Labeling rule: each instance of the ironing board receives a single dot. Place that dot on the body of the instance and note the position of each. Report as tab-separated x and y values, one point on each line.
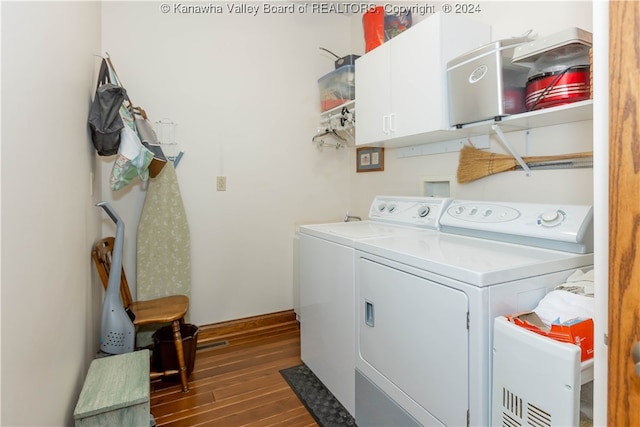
163	244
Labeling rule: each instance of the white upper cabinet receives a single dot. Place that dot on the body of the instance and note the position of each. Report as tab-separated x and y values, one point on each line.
373	91
401	85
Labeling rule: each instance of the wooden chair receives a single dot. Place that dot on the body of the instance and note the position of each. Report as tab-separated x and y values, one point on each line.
171	309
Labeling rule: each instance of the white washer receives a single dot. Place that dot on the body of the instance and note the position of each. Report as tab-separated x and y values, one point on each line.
426	304
327	288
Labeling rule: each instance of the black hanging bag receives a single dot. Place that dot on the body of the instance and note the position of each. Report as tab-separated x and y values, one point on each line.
104	115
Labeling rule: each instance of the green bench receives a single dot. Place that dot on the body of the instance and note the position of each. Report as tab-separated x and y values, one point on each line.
116	392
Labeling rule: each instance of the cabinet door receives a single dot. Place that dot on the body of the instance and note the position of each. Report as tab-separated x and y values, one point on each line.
417	81
373	96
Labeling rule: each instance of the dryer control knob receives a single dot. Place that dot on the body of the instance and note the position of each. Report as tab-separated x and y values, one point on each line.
551	218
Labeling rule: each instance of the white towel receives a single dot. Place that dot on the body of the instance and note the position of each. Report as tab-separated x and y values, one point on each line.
573	299
579	283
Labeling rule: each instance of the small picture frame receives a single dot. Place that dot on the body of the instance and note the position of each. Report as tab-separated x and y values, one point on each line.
369	159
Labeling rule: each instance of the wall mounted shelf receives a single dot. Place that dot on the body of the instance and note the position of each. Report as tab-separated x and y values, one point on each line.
338	110
338	119
568	113
445	140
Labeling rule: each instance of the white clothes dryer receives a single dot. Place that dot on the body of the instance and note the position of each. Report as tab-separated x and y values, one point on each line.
426	304
327	288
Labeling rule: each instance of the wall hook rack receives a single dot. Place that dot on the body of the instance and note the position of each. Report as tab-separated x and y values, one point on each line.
345	119
166	131
343	122
318	139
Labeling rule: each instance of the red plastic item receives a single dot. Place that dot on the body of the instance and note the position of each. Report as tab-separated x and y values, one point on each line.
552	89
373	24
576	331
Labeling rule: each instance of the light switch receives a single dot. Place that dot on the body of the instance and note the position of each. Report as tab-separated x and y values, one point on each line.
221	183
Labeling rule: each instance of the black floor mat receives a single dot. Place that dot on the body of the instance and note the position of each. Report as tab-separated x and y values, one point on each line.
318	400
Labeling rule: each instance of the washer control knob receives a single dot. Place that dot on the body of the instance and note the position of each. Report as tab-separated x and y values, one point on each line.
391	208
423	211
551	218
459	210
382	207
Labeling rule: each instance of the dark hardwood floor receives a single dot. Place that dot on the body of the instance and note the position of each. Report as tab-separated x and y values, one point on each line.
236	383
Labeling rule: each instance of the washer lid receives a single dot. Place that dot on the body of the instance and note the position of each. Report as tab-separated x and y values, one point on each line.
388	215
346	233
471	260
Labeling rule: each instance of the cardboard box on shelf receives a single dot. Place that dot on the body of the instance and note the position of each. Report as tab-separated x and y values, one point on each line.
576	331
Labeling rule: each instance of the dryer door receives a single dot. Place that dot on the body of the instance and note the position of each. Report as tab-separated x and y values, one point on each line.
413	332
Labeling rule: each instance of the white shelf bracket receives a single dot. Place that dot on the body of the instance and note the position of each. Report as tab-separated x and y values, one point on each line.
505	142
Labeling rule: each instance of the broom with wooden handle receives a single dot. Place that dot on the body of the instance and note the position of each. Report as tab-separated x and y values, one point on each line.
475	164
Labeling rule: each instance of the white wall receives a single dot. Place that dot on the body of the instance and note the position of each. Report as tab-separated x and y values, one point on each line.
50	298
243	90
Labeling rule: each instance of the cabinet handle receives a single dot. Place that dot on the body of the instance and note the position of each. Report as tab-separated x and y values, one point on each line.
386	124
392	122
369	318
